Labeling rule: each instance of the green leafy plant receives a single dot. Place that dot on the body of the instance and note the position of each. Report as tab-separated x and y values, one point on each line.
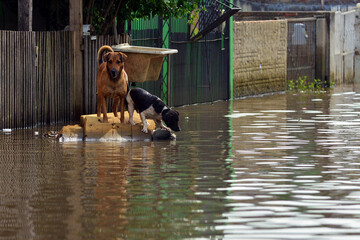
102	13
302	84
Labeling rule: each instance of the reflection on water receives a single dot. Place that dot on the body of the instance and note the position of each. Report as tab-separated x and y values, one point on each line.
282	166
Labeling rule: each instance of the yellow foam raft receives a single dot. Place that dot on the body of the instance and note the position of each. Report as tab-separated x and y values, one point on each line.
92	128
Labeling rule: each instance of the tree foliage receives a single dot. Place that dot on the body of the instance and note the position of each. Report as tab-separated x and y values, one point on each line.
101	13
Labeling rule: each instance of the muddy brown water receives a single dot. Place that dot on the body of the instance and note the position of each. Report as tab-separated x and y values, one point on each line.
281	166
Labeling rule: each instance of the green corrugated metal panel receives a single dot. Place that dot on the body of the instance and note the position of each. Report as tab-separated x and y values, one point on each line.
200	71
179	25
145	24
145	32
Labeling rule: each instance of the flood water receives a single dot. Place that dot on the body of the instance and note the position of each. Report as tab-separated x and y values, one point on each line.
282	166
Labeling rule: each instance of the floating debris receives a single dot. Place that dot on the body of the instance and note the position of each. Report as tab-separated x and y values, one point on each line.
162	134
7	130
52	134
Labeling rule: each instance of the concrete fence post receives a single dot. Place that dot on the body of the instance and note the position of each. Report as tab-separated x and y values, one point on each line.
321	49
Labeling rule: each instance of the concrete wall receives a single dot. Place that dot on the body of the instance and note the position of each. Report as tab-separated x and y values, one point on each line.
259	57
342	47
260	51
357	47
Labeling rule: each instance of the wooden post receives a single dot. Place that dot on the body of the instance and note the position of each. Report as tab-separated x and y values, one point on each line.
76	25
116	37
25	8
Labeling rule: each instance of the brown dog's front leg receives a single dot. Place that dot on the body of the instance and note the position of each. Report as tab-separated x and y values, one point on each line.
100	99
104	109
115	106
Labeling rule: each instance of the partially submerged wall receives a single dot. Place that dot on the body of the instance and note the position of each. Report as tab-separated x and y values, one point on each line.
342	47
259	57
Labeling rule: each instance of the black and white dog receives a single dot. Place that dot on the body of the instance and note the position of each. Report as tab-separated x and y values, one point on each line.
151	107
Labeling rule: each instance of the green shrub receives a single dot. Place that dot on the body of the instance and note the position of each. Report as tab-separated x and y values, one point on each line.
303	85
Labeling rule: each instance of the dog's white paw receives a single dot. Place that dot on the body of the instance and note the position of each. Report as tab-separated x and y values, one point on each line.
144	130
132	122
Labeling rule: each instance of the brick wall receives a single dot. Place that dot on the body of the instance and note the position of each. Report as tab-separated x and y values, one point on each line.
259	57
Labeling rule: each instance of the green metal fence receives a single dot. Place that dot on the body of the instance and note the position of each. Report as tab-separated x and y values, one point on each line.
148	32
199	71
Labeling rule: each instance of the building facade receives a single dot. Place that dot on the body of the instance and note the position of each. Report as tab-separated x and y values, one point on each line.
296	5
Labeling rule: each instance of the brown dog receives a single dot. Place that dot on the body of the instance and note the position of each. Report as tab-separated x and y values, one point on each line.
112	81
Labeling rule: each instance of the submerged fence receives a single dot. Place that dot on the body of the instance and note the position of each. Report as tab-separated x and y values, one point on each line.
301	45
18	78
36	77
53	80
35	81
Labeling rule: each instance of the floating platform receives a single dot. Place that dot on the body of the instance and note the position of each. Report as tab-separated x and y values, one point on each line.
92	128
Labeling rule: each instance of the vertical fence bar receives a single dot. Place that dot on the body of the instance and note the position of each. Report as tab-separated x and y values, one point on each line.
2	87
231	56
5	85
26	76
12	79
18	88
165	94
169	95
86	75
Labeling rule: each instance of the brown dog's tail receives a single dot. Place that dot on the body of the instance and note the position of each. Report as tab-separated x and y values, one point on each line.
101	52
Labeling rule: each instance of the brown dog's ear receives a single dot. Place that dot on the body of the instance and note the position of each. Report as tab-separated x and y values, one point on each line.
106	57
123	56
